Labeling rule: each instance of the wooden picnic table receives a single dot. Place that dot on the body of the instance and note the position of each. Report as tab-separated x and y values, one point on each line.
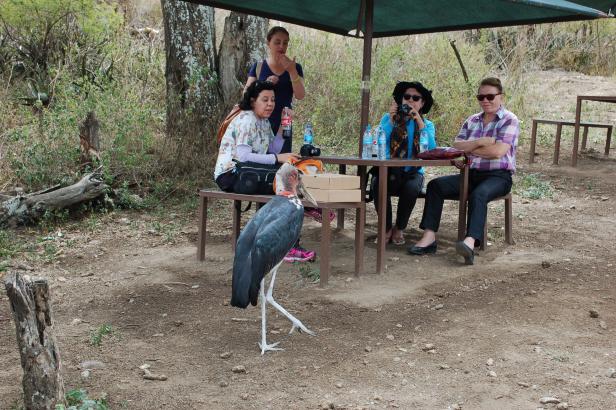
578	112
382	166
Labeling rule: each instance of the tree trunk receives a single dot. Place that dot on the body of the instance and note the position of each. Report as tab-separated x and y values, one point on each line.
243	43
24	209
40	359
89	140
193	91
201	87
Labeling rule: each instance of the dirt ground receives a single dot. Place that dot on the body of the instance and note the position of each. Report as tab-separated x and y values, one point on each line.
429	333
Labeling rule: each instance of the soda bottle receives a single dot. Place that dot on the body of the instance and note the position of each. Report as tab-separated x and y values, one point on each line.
382	143
366	152
423	141
308	136
286	123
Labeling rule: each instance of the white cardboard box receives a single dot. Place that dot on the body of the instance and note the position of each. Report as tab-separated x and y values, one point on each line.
335	195
331	181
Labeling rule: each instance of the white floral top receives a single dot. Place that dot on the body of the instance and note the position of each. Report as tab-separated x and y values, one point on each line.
245	129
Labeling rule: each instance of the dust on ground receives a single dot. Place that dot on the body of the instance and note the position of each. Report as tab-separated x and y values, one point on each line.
427	333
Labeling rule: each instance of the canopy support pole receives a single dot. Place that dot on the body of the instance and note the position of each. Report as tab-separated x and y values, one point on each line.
365	75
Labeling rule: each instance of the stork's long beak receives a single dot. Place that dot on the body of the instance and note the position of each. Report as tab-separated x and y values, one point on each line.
303	192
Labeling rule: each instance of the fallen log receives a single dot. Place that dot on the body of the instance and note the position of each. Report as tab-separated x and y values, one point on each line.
40	360
29	208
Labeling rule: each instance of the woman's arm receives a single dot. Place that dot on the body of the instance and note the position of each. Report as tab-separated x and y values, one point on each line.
297	79
245	154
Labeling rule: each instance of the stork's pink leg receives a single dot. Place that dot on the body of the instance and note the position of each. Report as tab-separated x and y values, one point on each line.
263	345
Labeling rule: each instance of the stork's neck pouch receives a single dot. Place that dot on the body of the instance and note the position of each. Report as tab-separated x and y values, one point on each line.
253	178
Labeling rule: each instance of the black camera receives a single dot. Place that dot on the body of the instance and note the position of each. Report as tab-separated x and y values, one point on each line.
404	109
309	150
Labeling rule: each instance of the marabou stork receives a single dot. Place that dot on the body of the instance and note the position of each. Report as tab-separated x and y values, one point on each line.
262	245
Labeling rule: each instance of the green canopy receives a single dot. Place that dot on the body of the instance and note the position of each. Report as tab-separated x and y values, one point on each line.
383	18
400	17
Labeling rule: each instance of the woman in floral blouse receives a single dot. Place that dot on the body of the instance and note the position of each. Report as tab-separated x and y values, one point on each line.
249	137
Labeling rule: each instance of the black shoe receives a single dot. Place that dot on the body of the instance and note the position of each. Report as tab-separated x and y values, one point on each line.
422	250
467	253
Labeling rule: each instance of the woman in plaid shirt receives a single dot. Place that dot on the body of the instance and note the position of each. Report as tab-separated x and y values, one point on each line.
489	139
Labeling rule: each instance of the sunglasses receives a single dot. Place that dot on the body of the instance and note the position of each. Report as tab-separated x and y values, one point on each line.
412	97
490	97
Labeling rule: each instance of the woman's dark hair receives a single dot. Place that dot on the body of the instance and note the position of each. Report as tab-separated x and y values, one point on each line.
426	94
252	92
493	81
274	30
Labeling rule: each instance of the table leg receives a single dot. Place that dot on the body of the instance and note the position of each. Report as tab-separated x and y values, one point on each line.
360	218
533	142
382	198
463	201
576	133
237	221
607	141
363	176
324	251
202	228
340	223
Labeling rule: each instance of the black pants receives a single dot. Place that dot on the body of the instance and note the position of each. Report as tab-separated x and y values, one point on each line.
484	186
405	185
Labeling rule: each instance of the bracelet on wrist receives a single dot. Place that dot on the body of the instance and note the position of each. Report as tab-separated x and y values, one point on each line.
275	158
296	79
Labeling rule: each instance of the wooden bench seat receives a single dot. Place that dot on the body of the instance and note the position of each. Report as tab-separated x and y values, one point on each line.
559	125
324	251
508	218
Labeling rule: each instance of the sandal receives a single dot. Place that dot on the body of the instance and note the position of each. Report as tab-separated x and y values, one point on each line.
398	241
387	238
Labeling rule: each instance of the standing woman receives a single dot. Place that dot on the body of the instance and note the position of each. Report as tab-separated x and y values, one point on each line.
286	75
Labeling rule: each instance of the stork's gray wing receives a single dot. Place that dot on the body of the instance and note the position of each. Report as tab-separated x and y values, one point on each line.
263	243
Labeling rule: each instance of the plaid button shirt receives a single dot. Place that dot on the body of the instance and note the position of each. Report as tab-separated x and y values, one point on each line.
504	128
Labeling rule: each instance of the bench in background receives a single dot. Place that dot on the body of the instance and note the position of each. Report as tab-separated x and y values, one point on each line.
559	127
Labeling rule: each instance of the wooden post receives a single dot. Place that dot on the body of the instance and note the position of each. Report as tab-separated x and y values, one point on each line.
40	359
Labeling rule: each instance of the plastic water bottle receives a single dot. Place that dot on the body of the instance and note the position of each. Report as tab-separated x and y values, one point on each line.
366	152
308	136
382	143
375	145
423	141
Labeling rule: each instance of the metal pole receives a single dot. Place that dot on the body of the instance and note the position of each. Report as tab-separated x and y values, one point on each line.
365	75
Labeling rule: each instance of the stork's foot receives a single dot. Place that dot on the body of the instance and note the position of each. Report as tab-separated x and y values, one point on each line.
267	348
301	328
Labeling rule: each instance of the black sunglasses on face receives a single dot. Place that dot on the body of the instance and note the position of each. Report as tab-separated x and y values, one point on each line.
412	97
490	97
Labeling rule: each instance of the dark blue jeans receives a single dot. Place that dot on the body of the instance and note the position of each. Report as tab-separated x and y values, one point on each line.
484	186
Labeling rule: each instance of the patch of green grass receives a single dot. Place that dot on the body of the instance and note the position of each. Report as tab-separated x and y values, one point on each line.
77	399
96	337
307	271
8	245
531	186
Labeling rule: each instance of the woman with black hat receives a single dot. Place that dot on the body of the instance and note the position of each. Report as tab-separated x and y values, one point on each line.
404	126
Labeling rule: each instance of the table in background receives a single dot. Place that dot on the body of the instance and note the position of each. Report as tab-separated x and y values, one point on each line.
382	165
578	112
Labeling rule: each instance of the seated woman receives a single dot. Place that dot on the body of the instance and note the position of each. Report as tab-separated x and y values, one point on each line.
249	137
403	127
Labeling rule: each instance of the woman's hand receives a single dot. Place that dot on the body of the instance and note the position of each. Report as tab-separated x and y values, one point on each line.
282	158
272	79
417	117
288	64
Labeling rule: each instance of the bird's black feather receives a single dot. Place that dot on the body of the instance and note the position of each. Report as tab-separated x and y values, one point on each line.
263	243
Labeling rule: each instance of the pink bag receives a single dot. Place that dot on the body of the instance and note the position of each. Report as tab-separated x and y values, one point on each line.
441	153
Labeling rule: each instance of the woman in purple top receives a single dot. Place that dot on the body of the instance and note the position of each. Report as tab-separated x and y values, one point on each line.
286	75
489	139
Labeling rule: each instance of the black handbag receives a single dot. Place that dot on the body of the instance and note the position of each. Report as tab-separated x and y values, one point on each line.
252	178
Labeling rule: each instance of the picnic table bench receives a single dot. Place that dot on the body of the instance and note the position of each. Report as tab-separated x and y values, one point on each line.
324	251
559	125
